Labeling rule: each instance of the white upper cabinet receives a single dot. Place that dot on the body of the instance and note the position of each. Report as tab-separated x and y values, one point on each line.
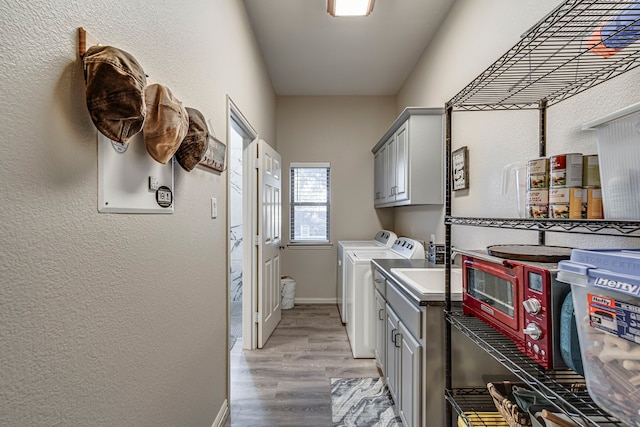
409	160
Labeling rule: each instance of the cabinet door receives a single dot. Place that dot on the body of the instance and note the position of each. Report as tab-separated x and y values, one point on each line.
402	163
381	331
393	359
380	177
410	378
391	169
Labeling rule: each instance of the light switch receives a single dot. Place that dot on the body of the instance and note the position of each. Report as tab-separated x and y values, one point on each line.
154	184
214	208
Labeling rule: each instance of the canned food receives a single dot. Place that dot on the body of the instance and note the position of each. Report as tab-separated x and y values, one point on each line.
592	197
538	173
538	203
590	171
565	203
566	170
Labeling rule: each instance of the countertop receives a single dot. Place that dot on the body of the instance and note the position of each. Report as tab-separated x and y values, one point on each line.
386	264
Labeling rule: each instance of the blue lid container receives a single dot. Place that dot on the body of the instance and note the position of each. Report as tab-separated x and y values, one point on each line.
605	286
611	269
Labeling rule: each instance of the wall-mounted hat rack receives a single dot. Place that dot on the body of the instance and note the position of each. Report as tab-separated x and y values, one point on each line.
129	180
85	41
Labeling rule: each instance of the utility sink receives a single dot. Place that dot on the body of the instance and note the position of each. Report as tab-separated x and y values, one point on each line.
429	282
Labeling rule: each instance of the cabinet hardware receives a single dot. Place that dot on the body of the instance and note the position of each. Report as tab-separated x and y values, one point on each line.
395	339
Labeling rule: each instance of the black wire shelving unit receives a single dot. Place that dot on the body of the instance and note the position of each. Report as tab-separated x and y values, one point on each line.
564	388
554	60
597	226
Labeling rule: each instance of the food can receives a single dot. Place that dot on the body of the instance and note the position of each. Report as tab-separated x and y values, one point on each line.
538	173
590	171
538	203
592	199
565	202
566	170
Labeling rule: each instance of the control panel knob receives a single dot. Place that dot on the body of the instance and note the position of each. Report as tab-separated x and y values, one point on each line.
533	330
532	305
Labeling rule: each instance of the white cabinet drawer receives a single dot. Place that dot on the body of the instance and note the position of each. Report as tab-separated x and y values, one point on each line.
408	312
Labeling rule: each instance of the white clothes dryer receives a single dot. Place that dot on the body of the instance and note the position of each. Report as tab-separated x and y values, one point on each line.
382	239
360	297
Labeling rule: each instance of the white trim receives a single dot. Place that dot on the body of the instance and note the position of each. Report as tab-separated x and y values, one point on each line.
309	165
223	413
248	200
315	301
592	125
303	244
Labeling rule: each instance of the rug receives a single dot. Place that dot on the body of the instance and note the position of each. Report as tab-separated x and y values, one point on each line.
362	402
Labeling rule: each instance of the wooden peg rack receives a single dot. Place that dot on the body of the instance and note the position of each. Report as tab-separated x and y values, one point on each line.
85	41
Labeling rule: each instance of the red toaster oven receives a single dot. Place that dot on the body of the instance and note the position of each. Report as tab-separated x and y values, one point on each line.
522	300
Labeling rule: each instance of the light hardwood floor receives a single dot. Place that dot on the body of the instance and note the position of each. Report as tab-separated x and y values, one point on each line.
287	383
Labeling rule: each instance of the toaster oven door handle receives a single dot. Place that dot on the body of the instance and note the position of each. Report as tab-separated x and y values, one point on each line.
479	255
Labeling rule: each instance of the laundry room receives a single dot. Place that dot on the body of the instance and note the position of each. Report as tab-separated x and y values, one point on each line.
425	215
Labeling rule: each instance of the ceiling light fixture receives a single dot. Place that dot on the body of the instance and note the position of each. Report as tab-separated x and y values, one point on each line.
349	7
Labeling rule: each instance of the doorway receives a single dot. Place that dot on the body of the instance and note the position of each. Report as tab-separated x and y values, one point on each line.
241	272
235	236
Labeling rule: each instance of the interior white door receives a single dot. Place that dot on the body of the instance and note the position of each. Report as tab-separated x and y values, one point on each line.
268	240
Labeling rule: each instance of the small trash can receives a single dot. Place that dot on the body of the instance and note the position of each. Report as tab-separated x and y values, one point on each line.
288	292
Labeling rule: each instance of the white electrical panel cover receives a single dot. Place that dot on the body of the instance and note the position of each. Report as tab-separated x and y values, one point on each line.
130	181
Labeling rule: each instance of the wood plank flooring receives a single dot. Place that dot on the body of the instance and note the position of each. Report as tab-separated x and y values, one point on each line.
287	383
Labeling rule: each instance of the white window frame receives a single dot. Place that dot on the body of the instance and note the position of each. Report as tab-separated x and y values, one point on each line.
292	205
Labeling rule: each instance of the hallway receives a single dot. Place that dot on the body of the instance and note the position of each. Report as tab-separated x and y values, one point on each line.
287	383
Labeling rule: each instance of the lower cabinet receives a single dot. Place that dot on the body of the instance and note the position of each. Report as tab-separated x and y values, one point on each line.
410	374
400	355
392	371
380	351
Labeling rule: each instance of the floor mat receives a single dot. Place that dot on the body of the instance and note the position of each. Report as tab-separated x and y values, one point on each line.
362	402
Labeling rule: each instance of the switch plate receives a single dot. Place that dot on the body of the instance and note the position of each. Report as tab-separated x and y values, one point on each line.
154	184
214	208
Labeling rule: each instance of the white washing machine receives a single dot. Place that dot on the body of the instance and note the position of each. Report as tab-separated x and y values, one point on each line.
382	239
360	297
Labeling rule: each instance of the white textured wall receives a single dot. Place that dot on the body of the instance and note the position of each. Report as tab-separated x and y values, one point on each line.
110	319
475	34
341	130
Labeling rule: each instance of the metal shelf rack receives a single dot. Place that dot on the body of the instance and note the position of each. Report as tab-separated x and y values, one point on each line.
599	227
564	388
467	401
553	61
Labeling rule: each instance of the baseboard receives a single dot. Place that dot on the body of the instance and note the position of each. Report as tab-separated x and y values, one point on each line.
315	301
221	418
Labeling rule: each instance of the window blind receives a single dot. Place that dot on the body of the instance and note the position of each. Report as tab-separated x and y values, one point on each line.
310	202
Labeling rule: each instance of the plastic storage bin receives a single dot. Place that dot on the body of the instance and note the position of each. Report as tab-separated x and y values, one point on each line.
605	285
619	157
288	291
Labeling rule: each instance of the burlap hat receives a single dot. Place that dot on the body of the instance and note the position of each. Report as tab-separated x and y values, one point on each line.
194	145
166	124
115	92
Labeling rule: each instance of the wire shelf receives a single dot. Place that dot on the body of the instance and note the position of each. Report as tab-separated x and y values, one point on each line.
554	60
564	388
467	401
597	226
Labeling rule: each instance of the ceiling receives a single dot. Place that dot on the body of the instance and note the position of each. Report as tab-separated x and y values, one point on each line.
309	52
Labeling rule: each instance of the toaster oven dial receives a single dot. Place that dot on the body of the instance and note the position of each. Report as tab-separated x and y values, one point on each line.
533	331
532	305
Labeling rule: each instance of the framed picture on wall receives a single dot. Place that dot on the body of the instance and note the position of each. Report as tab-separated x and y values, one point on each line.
460	168
214	157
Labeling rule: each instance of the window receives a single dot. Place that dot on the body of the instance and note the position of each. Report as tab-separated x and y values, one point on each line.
310	201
